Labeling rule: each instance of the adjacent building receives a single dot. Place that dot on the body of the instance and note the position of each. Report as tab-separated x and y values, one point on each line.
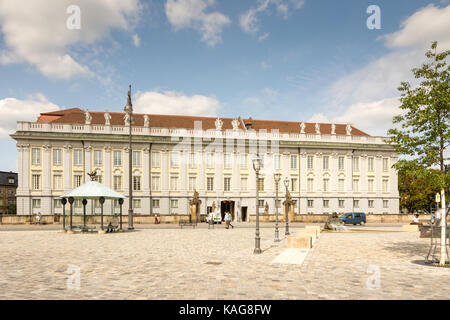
329	167
8	186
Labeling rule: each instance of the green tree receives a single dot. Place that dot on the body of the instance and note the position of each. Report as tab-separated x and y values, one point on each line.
424	130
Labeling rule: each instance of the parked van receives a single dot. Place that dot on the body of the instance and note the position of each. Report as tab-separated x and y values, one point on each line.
215	216
354	218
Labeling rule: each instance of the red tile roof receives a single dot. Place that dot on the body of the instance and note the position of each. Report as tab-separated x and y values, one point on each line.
76	116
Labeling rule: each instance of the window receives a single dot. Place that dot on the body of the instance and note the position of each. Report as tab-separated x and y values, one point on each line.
77	203
370	164
385	164
355	185
174	203
356	203
10	192
35	156
57	157
136	158
341	163
36	203
117	183
36	181
326	185
341	185
210	160
370	185
174	183
326	163
10	180
136	183
77	180
341	203
98	157
155	183
156	160
174	160
155	203
1	202
192	183
385	203
57	203
116	203
57	182
98	178
293	162
278	203
227	161
261	184
117	158
310	162
261	203
326	203
136	203
385	185
276	160
370	203
243	161
355	163
310	185
192	160
244	184
310	203
293	184
96	203
210	183
227	184
77	157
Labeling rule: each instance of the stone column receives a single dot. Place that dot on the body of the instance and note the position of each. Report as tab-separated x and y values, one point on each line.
219	173
126	177
236	175
107	165
184	158
46	170
146	172
87	162
201	173
67	168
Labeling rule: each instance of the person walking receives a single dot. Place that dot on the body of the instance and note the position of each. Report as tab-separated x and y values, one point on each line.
38	218
228	220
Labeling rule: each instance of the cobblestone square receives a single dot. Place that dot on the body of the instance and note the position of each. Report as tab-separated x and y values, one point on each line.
169	263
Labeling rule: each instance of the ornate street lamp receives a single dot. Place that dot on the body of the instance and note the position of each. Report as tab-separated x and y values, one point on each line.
286	184
64	202
277	178
257	167
129	111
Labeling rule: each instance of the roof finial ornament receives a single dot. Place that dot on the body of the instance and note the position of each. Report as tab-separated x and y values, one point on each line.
317	128
88	117
107	118
333	128
219	124
302	127
349	129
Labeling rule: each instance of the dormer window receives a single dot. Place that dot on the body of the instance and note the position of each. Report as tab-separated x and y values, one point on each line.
11	180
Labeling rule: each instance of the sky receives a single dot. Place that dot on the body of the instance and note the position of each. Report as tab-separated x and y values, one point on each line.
294	60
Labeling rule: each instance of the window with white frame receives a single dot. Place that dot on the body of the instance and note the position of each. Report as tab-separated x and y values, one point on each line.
174	203
260	184
57	203
370	164
385	164
192	183
174	159
310	185
77	157
210	183
136	158
326	203
78	203
36	181
341	185
98	157
277	161
326	163
341	163
310	203
117	183
355	163
136	203
370	203
77	180
293	161
261	204
227	184
310	162
117	155
385	185
57	157
355	203
156	159
36	203
174	183
99	178
136	183
244	182
57	182
355	185
341	203
326	185
294	184
155	183
385	204
155	203
36	156
370	185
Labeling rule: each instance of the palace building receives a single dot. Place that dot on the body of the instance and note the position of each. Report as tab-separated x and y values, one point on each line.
329	167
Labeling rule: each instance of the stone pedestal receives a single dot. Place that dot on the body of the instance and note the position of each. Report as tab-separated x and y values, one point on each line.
299	242
194	209
308	232
410	228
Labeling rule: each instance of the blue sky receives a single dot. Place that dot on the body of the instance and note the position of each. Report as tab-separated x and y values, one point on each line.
270	59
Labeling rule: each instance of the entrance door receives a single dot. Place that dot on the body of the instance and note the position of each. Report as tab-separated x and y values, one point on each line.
244	214
227	206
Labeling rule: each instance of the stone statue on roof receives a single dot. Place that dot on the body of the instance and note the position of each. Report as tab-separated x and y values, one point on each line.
146	121
317	126
219	124
126	119
235	124
107	119
88	117
302	127
333	128
349	129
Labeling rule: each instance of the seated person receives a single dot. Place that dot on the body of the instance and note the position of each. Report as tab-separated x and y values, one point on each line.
416	220
109	228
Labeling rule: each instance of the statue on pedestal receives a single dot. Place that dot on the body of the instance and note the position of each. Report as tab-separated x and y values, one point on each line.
88	117
107	119
302	127
146	121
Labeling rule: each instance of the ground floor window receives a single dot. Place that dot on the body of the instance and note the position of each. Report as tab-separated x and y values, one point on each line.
57	203
385	203
155	203
137	203
356	203
174	203
310	203
341	203
36	203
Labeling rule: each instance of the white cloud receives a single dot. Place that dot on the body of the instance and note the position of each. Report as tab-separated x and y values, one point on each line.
175	103
13	110
249	20
136	40
364	97
263	36
191	14
319	118
36	32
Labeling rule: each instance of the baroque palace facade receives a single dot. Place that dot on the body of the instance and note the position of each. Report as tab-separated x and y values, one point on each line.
330	167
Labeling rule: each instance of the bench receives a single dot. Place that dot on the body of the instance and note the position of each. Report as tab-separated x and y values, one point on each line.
187	224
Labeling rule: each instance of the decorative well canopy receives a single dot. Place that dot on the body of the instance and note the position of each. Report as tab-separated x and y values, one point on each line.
93	190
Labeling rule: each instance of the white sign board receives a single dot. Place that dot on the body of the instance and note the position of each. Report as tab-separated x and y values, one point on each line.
438	197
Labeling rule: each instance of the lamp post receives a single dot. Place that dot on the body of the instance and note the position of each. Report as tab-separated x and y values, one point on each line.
129	111
277	177
64	202
257	167
286	184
